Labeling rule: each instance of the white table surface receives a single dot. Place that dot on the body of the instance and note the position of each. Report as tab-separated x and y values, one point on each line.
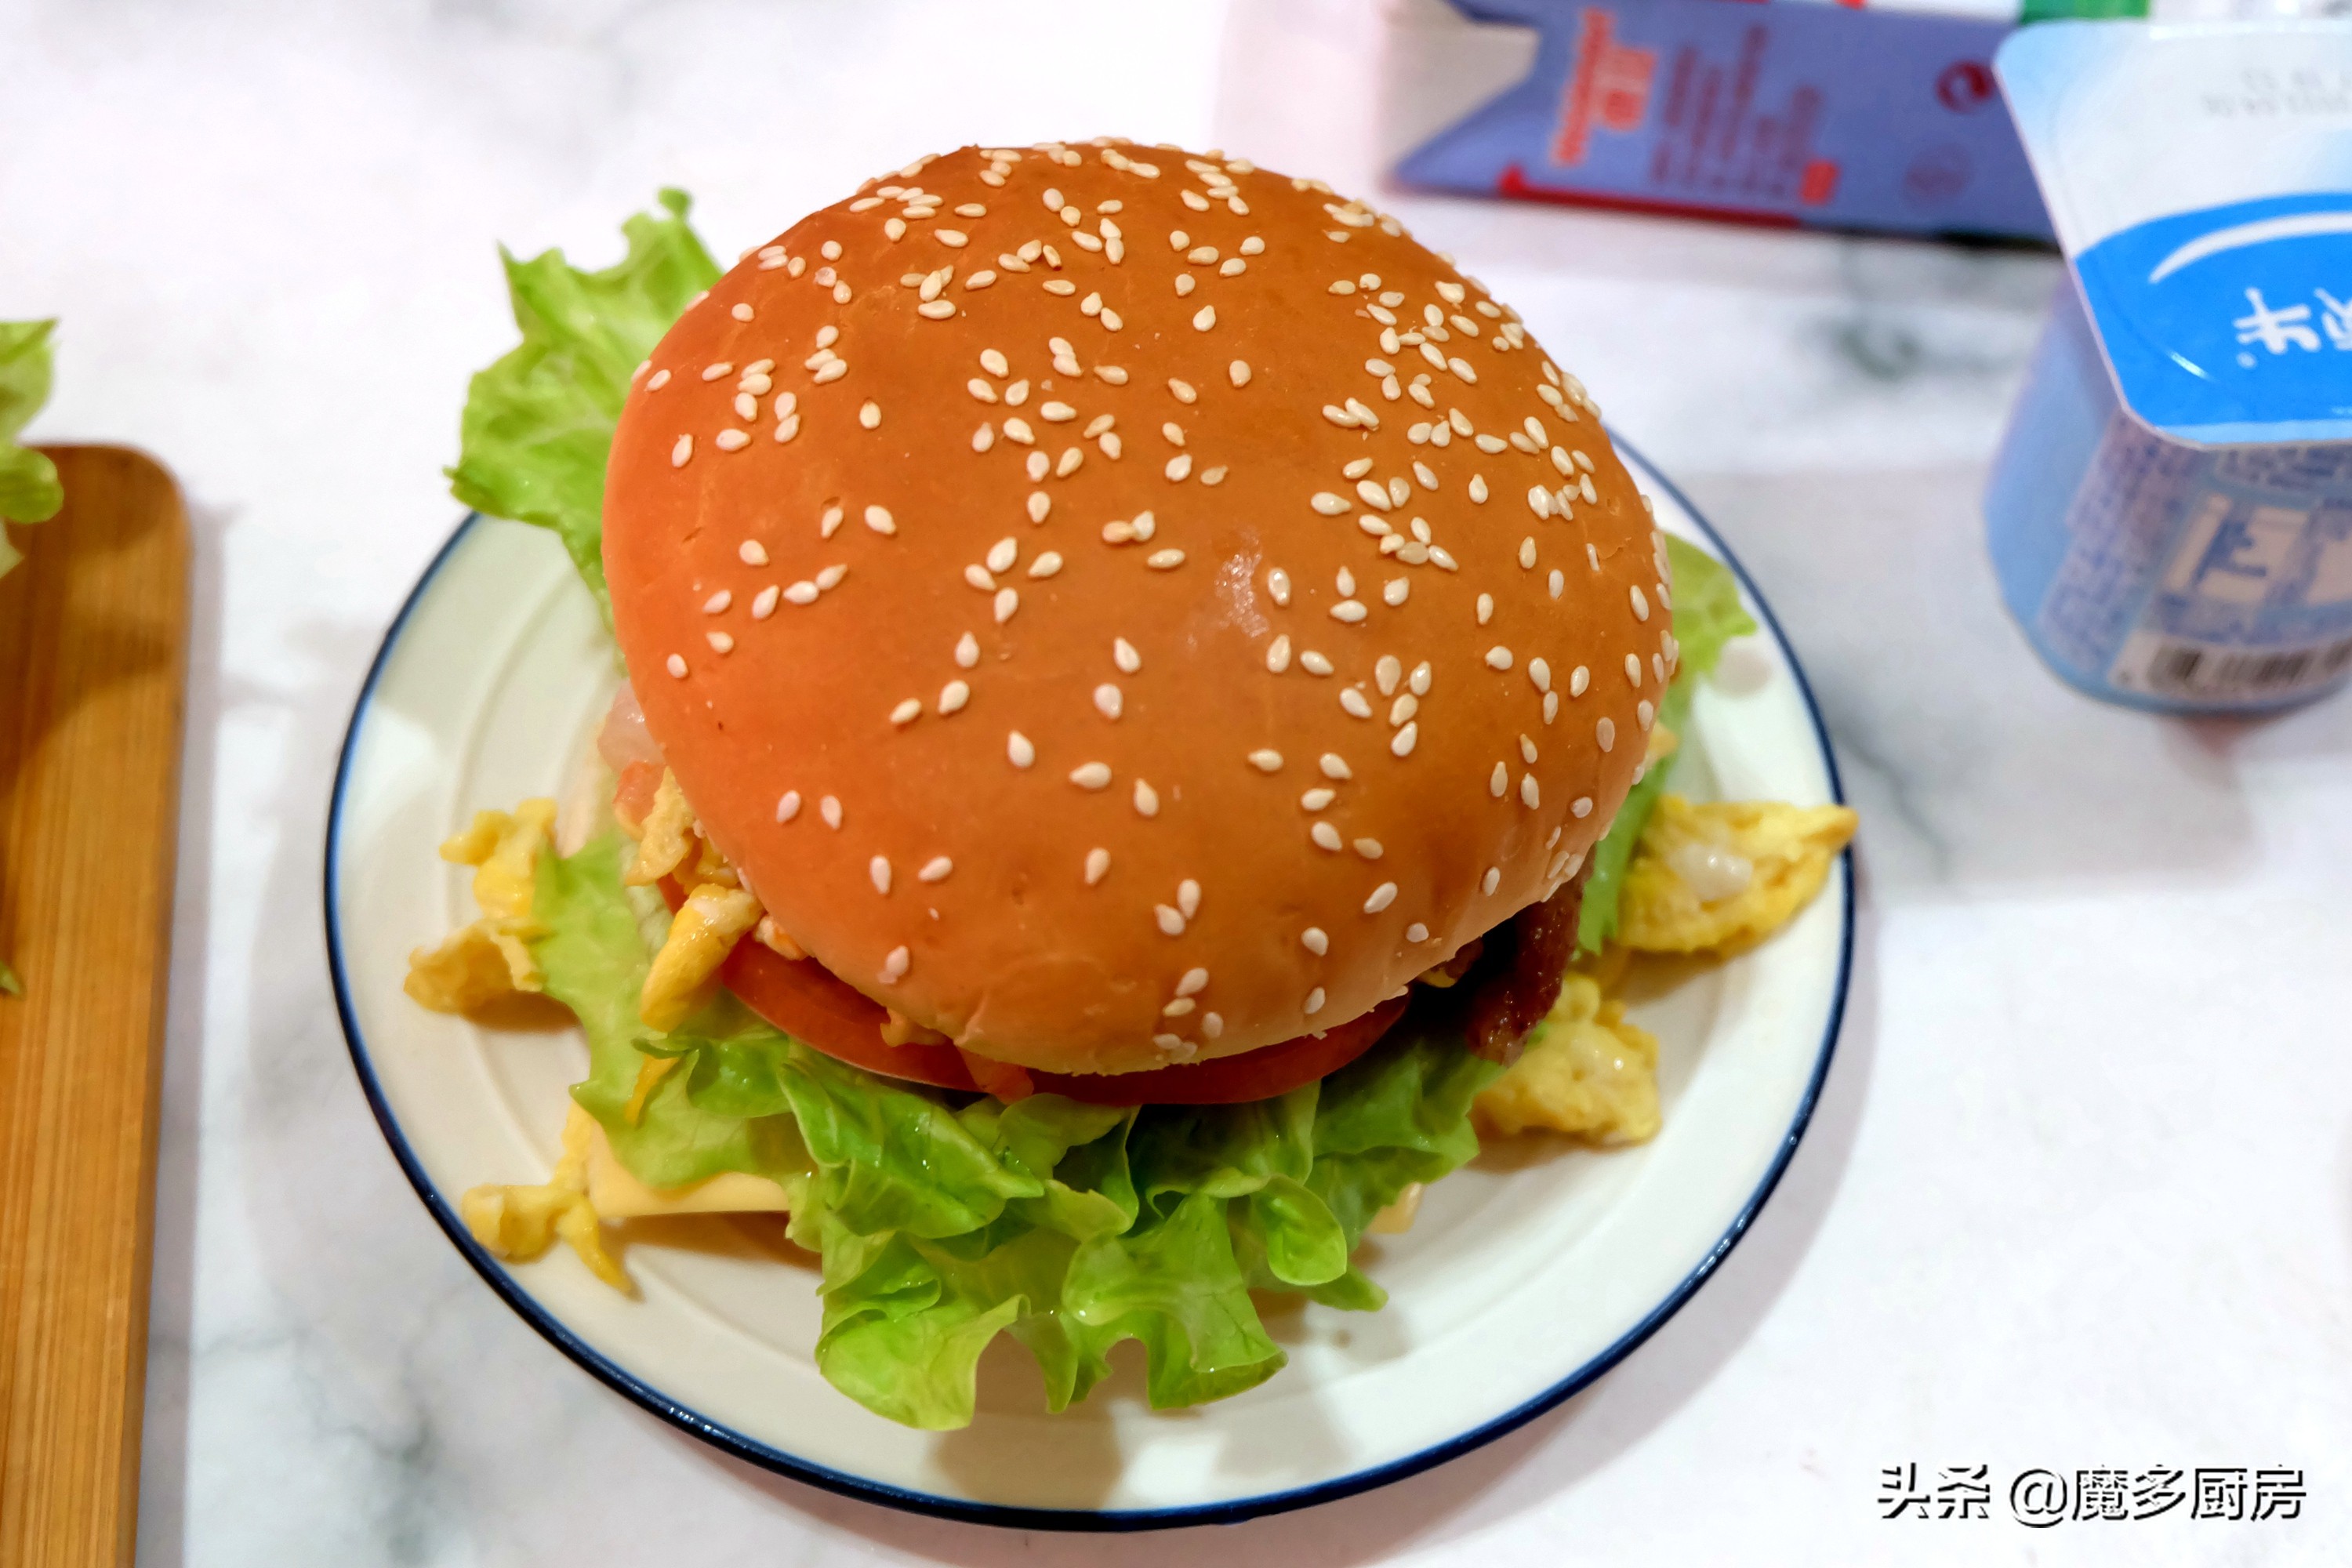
2077	1194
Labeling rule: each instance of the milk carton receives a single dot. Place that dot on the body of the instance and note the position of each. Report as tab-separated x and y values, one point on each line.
2170	515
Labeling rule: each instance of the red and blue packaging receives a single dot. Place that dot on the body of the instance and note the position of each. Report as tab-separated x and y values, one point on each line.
1783	114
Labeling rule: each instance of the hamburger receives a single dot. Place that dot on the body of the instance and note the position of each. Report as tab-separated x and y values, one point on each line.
1131	664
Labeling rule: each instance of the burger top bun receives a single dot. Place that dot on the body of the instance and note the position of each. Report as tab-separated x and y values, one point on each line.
1121	607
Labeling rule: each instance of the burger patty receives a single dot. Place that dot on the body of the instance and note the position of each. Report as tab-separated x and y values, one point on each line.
1519	975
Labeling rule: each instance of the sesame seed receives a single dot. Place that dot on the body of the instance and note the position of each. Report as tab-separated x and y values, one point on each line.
1178	467
879	870
1526	751
1187	897
952	697
1047	565
1334	766
1498	658
1313	662
895	227
1162	560
752	552
1251	246
681	452
829	808
1178	1007
1500	781
1107	700
788	806
1382	897
1540	502
1582	807
676	665
1238	372
713	372
967	651
1647	712
1530	793
879	519
1056	412
1348	610
1486	609
1091	775
1098	866
829	370
983	438
1418	681
1170	919
1204	317
1325	836
1194	982
1146	799
801	593
660	379
1641	604
1578	681
1315	1001
718	603
1123	654
1369	848
1018	750
1527	552
1277	654
1353	702
1633	669
1277	586
1316	799
1394	591
1550	706
1007	601
1402	743
1267	760
1605	732
894	967
906	712
1416	933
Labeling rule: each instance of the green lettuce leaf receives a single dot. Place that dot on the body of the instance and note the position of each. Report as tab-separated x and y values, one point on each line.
29	491
943	1220
539	424
1708	615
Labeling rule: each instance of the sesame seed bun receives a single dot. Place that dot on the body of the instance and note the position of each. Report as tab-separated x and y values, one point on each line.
1094	625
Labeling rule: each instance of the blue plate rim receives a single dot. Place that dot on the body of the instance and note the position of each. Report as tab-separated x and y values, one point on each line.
1008	1516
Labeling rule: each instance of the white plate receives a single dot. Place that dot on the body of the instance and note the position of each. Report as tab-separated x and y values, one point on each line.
1529	1274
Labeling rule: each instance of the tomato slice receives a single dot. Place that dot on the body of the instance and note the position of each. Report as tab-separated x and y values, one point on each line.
814	1006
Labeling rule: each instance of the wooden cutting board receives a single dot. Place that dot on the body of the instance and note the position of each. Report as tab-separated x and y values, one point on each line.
93	643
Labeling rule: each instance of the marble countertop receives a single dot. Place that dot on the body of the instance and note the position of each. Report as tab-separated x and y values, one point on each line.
2077	1194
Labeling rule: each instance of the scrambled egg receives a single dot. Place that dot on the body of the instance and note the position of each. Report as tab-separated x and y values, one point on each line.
666	836
702	934
1723	876
1728	874
1585	1071
521	1222
488	959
